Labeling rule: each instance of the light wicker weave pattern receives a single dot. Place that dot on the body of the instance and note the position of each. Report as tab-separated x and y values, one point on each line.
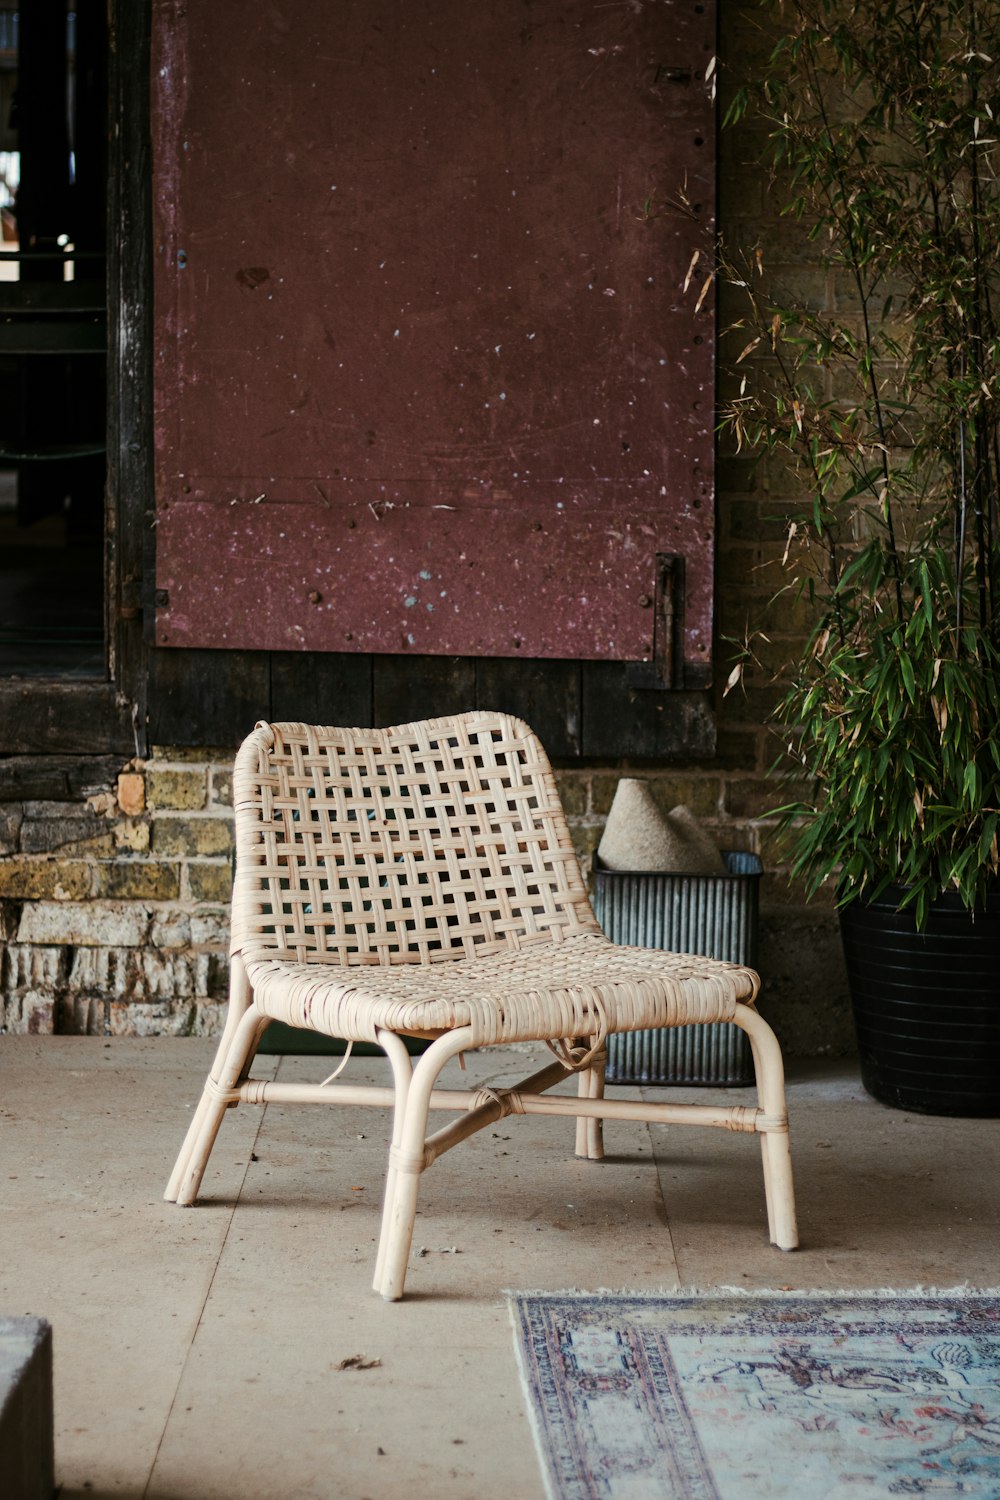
406	845
569	990
420	880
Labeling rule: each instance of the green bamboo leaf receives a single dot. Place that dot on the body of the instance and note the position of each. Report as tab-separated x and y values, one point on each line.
909	680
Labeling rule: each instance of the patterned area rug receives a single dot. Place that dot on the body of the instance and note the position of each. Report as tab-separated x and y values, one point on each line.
763	1397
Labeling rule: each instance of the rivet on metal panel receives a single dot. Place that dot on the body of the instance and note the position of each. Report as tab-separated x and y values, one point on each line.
161	598
315	597
667	74
536	525
517	640
348	635
351	523
645	600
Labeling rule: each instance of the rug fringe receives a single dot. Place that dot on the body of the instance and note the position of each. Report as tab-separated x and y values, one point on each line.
812	1293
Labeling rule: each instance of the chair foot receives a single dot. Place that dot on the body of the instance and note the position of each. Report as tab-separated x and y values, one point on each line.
406	1160
401	1213
589	1131
402	1072
779	1190
231	1064
776	1156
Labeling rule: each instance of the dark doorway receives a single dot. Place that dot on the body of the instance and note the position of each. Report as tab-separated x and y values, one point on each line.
53	337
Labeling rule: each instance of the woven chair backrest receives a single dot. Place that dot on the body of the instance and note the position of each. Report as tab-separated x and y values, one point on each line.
413	844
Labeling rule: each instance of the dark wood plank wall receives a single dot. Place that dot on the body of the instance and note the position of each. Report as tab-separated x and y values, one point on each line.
579	709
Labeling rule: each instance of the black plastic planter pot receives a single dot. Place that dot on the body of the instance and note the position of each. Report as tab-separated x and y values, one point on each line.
926	1004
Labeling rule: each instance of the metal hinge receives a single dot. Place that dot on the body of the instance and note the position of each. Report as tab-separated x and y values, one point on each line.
666	669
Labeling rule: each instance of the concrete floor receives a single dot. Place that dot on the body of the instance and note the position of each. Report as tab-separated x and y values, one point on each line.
198	1351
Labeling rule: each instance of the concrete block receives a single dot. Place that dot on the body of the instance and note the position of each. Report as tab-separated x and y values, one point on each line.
757	797
205	1018
32	968
163	975
192	836
572	787
92	924
102	971
139	880
40	879
27	1432
182	791
221	786
210	881
28	1014
132	834
171	929
210	929
139	1020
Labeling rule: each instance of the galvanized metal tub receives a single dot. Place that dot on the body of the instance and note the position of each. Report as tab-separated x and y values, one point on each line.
716	915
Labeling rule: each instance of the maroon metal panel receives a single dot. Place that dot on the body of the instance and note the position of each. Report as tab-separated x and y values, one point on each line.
426	377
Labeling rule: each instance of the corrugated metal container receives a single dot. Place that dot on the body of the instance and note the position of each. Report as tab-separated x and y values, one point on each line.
715	915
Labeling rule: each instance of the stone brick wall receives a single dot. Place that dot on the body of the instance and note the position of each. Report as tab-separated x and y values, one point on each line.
114	894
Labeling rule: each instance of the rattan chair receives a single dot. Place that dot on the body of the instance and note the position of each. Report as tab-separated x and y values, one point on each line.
420	881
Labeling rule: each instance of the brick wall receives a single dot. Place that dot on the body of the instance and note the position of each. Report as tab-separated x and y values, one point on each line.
114	879
114	894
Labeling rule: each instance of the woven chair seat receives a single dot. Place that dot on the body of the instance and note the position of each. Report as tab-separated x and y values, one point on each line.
580	987
420	881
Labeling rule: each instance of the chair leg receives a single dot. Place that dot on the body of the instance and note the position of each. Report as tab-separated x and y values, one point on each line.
240	1037
590	1132
406	1163
776	1155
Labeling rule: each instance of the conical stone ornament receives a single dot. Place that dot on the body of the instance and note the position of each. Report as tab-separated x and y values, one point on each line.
638	836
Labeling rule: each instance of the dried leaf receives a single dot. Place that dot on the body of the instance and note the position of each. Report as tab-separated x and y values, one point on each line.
822	641
733	678
358	1362
704	291
940	709
696	257
748	350
792	529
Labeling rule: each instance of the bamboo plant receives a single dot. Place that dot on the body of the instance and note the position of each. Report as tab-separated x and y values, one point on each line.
883	119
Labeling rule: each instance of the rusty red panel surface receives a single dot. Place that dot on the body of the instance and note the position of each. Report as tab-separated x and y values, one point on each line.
422	345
